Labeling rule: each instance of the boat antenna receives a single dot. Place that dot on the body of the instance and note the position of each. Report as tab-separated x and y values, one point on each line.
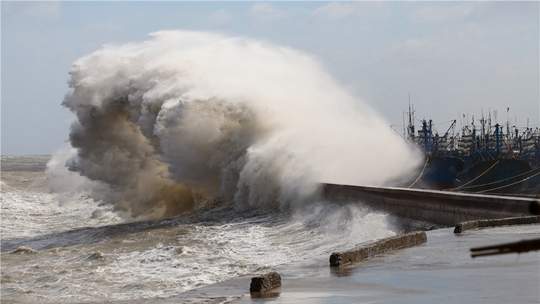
507	122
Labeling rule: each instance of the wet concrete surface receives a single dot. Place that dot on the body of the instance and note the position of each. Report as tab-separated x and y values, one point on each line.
440	271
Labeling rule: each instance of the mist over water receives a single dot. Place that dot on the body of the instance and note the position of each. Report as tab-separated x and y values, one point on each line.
186	118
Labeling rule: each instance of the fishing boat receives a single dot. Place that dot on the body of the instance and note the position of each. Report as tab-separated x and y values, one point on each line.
480	158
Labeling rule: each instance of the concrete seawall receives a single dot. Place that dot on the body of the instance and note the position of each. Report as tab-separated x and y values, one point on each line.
438	207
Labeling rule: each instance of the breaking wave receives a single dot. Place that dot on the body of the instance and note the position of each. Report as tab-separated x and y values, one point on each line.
186	119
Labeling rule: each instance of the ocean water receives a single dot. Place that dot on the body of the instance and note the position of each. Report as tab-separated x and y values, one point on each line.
86	252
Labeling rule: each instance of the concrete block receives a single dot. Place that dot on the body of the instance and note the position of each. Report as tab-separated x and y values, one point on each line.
370	249
520	220
264	284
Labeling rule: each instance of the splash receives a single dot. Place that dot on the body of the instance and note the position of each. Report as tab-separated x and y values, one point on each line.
186	117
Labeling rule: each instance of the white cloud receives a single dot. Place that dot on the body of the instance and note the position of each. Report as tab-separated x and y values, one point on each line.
103	27
443	13
341	10
45	9
414	44
265	11
337	10
220	17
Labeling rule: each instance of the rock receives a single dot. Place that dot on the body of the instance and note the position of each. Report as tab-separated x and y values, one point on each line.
23	250
96	256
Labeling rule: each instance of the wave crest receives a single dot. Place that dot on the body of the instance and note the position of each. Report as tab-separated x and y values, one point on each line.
188	116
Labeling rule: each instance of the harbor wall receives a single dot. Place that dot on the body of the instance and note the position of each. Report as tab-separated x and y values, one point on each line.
438	207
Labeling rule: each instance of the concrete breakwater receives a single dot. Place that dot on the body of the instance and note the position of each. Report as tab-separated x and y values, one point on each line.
521	220
365	251
438	207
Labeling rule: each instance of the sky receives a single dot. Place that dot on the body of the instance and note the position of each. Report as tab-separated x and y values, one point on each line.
450	57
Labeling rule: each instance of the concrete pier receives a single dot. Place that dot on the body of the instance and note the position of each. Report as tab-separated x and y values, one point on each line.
438	207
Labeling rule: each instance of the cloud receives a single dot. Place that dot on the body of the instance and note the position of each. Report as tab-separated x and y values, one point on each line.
337	10
265	11
444	13
49	9
341	10
414	44
220	17
103	27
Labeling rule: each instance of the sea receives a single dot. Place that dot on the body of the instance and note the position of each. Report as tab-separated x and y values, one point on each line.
58	248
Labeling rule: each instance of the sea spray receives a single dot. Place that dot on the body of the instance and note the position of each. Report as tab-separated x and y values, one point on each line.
189	116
